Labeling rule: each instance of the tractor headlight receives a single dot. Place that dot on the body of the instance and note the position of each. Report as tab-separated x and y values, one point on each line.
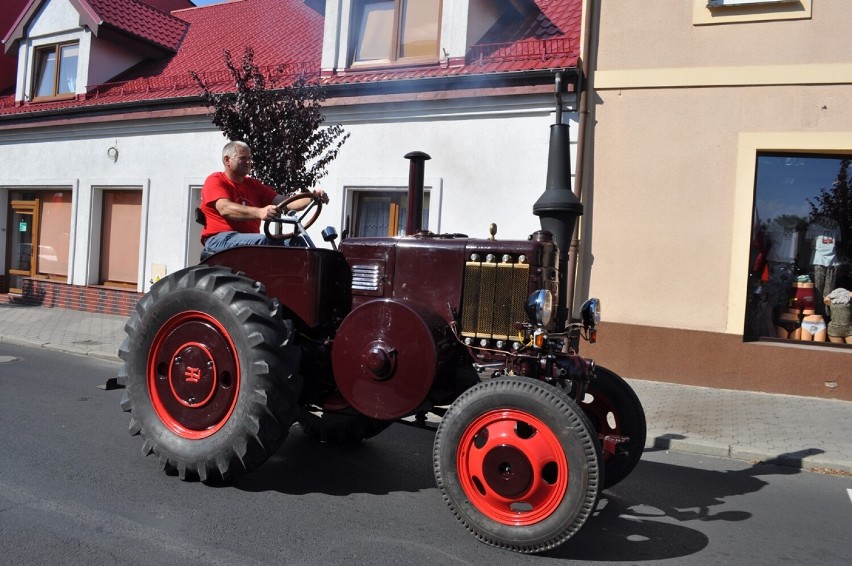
591	313
540	307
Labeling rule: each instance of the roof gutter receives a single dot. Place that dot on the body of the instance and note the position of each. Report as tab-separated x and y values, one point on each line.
340	92
443	83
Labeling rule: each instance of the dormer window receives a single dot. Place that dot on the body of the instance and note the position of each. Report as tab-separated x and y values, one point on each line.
397	31
55	71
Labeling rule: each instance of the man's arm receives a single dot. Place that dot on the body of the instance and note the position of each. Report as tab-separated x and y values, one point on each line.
230	210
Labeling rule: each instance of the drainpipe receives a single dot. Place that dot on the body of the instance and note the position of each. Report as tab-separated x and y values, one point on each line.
582	92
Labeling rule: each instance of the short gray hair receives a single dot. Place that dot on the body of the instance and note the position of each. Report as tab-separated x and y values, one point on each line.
230	148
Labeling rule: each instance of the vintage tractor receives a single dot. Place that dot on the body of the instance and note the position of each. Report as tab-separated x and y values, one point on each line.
471	337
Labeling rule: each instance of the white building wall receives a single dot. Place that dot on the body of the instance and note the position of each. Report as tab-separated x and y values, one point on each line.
107	60
54	15
488	165
490	158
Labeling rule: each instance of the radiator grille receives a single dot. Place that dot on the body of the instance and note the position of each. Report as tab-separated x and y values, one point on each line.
494	298
367	277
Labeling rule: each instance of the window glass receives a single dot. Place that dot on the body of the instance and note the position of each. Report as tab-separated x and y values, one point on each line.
384	213
21	241
375	32
800	280
51	79
54	234
395	30
419	36
45	72
67	69
194	246
122	221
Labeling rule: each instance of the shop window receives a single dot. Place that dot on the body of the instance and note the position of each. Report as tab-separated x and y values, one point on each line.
396	31
383	213
54	234
121	226
55	71
800	277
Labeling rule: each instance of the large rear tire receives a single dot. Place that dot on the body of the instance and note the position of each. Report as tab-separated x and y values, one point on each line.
211	381
518	464
613	408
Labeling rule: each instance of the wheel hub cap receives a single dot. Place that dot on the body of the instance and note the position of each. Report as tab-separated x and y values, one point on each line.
193	375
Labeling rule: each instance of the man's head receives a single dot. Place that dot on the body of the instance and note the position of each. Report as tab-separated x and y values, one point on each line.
236	156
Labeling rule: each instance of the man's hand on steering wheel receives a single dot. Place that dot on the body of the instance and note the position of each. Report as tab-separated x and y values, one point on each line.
313	200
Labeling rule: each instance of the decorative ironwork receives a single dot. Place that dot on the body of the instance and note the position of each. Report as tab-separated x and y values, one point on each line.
543	49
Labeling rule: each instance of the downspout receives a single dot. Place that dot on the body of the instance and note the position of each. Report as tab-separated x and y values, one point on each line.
582	110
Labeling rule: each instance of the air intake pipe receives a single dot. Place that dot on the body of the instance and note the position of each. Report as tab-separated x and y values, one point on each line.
558	207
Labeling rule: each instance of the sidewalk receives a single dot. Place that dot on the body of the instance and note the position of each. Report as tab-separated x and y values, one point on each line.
802	432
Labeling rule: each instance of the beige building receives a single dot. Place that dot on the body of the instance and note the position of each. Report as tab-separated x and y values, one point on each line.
710	125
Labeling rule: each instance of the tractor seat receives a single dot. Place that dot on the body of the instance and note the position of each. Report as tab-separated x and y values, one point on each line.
201	219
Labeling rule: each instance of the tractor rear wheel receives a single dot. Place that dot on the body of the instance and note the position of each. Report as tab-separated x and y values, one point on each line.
518	464
614	409
211	382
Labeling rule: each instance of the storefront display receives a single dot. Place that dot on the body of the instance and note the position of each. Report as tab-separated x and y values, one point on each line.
801	264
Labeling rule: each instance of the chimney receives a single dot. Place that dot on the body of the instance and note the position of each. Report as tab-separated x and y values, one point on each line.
558	207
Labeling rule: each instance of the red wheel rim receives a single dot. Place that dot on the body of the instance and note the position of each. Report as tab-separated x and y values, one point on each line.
193	375
512	467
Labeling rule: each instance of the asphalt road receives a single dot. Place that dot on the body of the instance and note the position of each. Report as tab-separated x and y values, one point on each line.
75	488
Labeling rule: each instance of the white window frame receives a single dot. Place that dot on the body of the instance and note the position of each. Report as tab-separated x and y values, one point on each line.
432	185
725	3
96	221
745	11
355	31
193	228
25	86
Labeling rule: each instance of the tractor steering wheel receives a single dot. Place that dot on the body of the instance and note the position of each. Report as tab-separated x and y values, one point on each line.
297	220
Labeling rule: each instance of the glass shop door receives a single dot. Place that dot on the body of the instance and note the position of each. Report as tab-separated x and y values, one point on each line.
22	243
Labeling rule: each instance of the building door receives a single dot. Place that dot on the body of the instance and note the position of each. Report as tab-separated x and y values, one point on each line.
22	243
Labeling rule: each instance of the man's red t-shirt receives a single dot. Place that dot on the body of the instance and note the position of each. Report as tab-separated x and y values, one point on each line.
250	192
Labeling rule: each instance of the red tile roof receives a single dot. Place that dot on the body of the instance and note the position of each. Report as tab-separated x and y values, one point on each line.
133	18
290	32
138	19
170	5
8	63
279	31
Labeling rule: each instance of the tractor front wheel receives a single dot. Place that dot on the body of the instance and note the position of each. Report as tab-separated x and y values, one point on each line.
518	464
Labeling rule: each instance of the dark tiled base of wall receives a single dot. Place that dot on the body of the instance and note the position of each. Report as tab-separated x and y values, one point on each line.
39	292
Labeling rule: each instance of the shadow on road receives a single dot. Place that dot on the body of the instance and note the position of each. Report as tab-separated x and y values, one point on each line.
399	459
647	516
651	515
